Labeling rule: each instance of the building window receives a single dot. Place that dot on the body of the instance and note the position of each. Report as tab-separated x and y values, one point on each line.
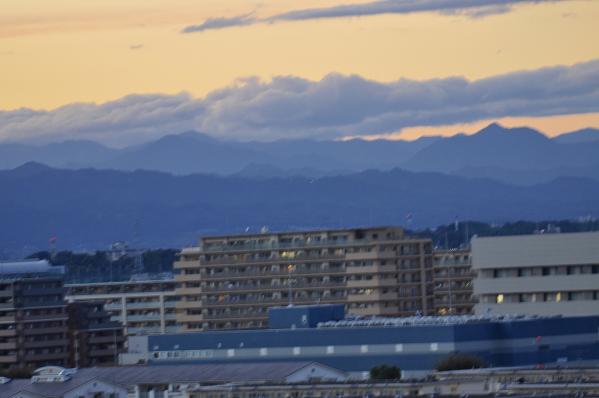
499	299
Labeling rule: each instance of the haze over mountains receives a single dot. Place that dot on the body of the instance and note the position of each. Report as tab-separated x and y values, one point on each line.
200	185
90	208
518	155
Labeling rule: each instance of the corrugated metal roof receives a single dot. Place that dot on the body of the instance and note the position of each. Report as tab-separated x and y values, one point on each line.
214	373
275	372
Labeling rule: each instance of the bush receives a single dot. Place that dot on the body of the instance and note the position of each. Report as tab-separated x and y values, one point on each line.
459	362
385	372
19	373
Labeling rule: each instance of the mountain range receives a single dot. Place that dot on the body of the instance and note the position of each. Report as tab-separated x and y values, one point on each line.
89	208
513	155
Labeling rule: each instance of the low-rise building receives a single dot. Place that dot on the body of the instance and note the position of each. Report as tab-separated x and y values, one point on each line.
159	381
546	274
141	306
356	345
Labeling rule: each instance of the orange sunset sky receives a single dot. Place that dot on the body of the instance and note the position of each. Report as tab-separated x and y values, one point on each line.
60	52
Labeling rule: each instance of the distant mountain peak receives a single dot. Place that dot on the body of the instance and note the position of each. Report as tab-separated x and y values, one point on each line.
579	136
31	168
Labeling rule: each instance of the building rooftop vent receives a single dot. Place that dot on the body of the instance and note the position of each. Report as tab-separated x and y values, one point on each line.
52	374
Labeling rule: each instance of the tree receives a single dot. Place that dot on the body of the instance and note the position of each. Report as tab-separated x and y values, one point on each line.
385	372
459	362
18	373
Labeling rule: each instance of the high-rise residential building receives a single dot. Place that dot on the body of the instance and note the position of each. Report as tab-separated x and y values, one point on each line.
453	279
231	281
141	306
33	317
548	274
95	340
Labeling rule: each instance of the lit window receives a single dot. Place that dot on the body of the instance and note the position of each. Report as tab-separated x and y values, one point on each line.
499	298
558	297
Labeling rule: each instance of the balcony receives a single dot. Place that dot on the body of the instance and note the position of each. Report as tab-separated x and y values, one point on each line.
270	302
32	331
143	330
372	269
8	319
373	297
46	356
44	317
46	343
145	317
237	316
8	358
144	305
43	291
271	274
8	346
106	339
8	332
273	260
281	287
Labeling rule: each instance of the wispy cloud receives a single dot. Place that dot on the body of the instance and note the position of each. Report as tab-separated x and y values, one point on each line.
470	8
136	47
336	106
221	23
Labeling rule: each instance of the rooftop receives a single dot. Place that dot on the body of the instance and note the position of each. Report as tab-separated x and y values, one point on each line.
429	320
273	372
15	269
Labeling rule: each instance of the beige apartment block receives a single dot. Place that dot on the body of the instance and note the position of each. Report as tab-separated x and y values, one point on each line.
453	279
141	306
230	282
547	274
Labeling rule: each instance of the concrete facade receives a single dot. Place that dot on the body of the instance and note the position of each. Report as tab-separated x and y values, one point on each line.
141	306
229	282
452	278
33	317
546	274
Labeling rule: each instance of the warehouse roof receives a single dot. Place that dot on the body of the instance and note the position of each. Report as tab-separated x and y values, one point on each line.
277	372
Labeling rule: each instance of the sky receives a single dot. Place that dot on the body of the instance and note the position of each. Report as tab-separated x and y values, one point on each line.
122	72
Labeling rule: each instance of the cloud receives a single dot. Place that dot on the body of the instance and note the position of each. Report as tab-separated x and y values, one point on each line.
469	8
221	23
136	47
336	106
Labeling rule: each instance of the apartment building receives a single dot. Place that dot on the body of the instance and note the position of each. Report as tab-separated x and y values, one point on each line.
33	317
231	281
95	340
141	306
547	274
452	280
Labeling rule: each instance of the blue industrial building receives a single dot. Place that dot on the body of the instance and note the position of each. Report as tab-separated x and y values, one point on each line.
415	344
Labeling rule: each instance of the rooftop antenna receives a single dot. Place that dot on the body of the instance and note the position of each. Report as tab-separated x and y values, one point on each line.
467	235
409	218
52	242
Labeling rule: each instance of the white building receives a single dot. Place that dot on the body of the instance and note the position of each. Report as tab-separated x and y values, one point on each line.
546	274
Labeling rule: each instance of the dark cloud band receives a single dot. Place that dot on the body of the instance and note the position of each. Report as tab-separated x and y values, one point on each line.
471	8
